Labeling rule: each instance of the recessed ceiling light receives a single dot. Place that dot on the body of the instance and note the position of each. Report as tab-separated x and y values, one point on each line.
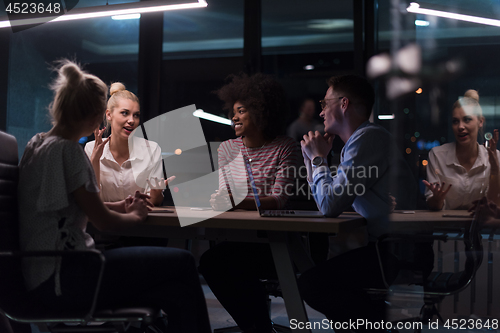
330	24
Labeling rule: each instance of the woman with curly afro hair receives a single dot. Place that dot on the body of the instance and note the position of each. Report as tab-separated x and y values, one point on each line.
257	106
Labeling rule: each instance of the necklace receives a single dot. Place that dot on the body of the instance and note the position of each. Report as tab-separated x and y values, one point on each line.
248	152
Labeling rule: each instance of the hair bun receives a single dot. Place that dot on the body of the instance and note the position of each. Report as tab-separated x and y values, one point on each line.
116	87
71	73
471	93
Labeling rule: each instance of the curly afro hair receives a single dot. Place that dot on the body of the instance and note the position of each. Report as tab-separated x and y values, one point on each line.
262	96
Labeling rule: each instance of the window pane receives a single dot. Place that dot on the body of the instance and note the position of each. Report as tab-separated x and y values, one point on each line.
107	48
213	31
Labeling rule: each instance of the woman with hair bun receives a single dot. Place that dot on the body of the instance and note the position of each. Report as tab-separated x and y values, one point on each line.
58	195
119	170
461	172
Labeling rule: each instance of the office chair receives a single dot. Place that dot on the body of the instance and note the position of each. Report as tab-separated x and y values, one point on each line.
273	289
15	302
438	285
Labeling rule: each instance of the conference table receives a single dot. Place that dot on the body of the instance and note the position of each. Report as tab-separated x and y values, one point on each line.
283	236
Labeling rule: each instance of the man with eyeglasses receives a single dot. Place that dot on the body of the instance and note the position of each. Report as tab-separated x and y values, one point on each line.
364	181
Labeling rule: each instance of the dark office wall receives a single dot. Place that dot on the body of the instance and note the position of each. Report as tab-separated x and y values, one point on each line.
28	93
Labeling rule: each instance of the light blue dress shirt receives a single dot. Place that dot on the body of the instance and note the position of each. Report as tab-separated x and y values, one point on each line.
364	179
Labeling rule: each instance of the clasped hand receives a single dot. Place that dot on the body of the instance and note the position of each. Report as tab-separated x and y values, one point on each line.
138	204
220	200
315	144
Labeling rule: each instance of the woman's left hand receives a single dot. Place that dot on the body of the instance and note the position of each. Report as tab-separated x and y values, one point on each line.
492	153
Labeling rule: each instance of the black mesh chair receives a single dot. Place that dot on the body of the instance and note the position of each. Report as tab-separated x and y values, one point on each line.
15	302
436	285
273	289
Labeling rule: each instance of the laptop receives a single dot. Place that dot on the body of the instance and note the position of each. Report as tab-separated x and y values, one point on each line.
275	212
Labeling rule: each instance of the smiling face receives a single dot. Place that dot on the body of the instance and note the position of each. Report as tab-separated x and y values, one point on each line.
243	123
332	112
124	118
465	125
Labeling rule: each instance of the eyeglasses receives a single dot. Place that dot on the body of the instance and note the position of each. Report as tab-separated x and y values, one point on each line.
323	101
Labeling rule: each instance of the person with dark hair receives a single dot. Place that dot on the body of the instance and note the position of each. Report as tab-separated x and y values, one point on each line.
463	171
305	122
363	181
256	106
58	195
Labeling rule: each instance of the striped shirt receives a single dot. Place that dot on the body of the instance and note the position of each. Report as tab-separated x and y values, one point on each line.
274	167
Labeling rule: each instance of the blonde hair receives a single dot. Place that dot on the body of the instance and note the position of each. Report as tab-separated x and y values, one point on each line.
78	95
471	101
117	91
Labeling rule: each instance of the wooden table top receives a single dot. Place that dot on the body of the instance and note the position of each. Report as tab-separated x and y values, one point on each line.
251	220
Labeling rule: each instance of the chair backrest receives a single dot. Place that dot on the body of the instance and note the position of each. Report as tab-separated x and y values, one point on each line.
451	283
9	176
11	281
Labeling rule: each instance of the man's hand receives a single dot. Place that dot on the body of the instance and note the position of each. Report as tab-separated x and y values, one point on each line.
315	144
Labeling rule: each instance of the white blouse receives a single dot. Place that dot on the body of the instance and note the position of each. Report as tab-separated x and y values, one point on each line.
119	181
467	186
51	169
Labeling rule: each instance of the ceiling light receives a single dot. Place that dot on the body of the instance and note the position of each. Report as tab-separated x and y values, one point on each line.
386	116
126	17
330	24
208	116
108	10
415	8
422	23
308	67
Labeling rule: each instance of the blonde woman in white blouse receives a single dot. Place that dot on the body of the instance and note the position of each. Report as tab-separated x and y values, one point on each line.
123	167
463	171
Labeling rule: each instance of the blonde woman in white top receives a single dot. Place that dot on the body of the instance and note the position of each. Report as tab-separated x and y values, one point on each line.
123	167
461	172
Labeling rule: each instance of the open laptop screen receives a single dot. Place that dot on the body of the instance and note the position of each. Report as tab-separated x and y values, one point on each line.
252	182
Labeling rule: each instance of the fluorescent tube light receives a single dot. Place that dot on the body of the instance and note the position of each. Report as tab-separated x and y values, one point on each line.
126	17
208	116
107	10
386	116
415	8
422	23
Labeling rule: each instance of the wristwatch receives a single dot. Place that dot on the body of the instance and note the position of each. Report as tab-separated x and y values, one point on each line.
318	160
